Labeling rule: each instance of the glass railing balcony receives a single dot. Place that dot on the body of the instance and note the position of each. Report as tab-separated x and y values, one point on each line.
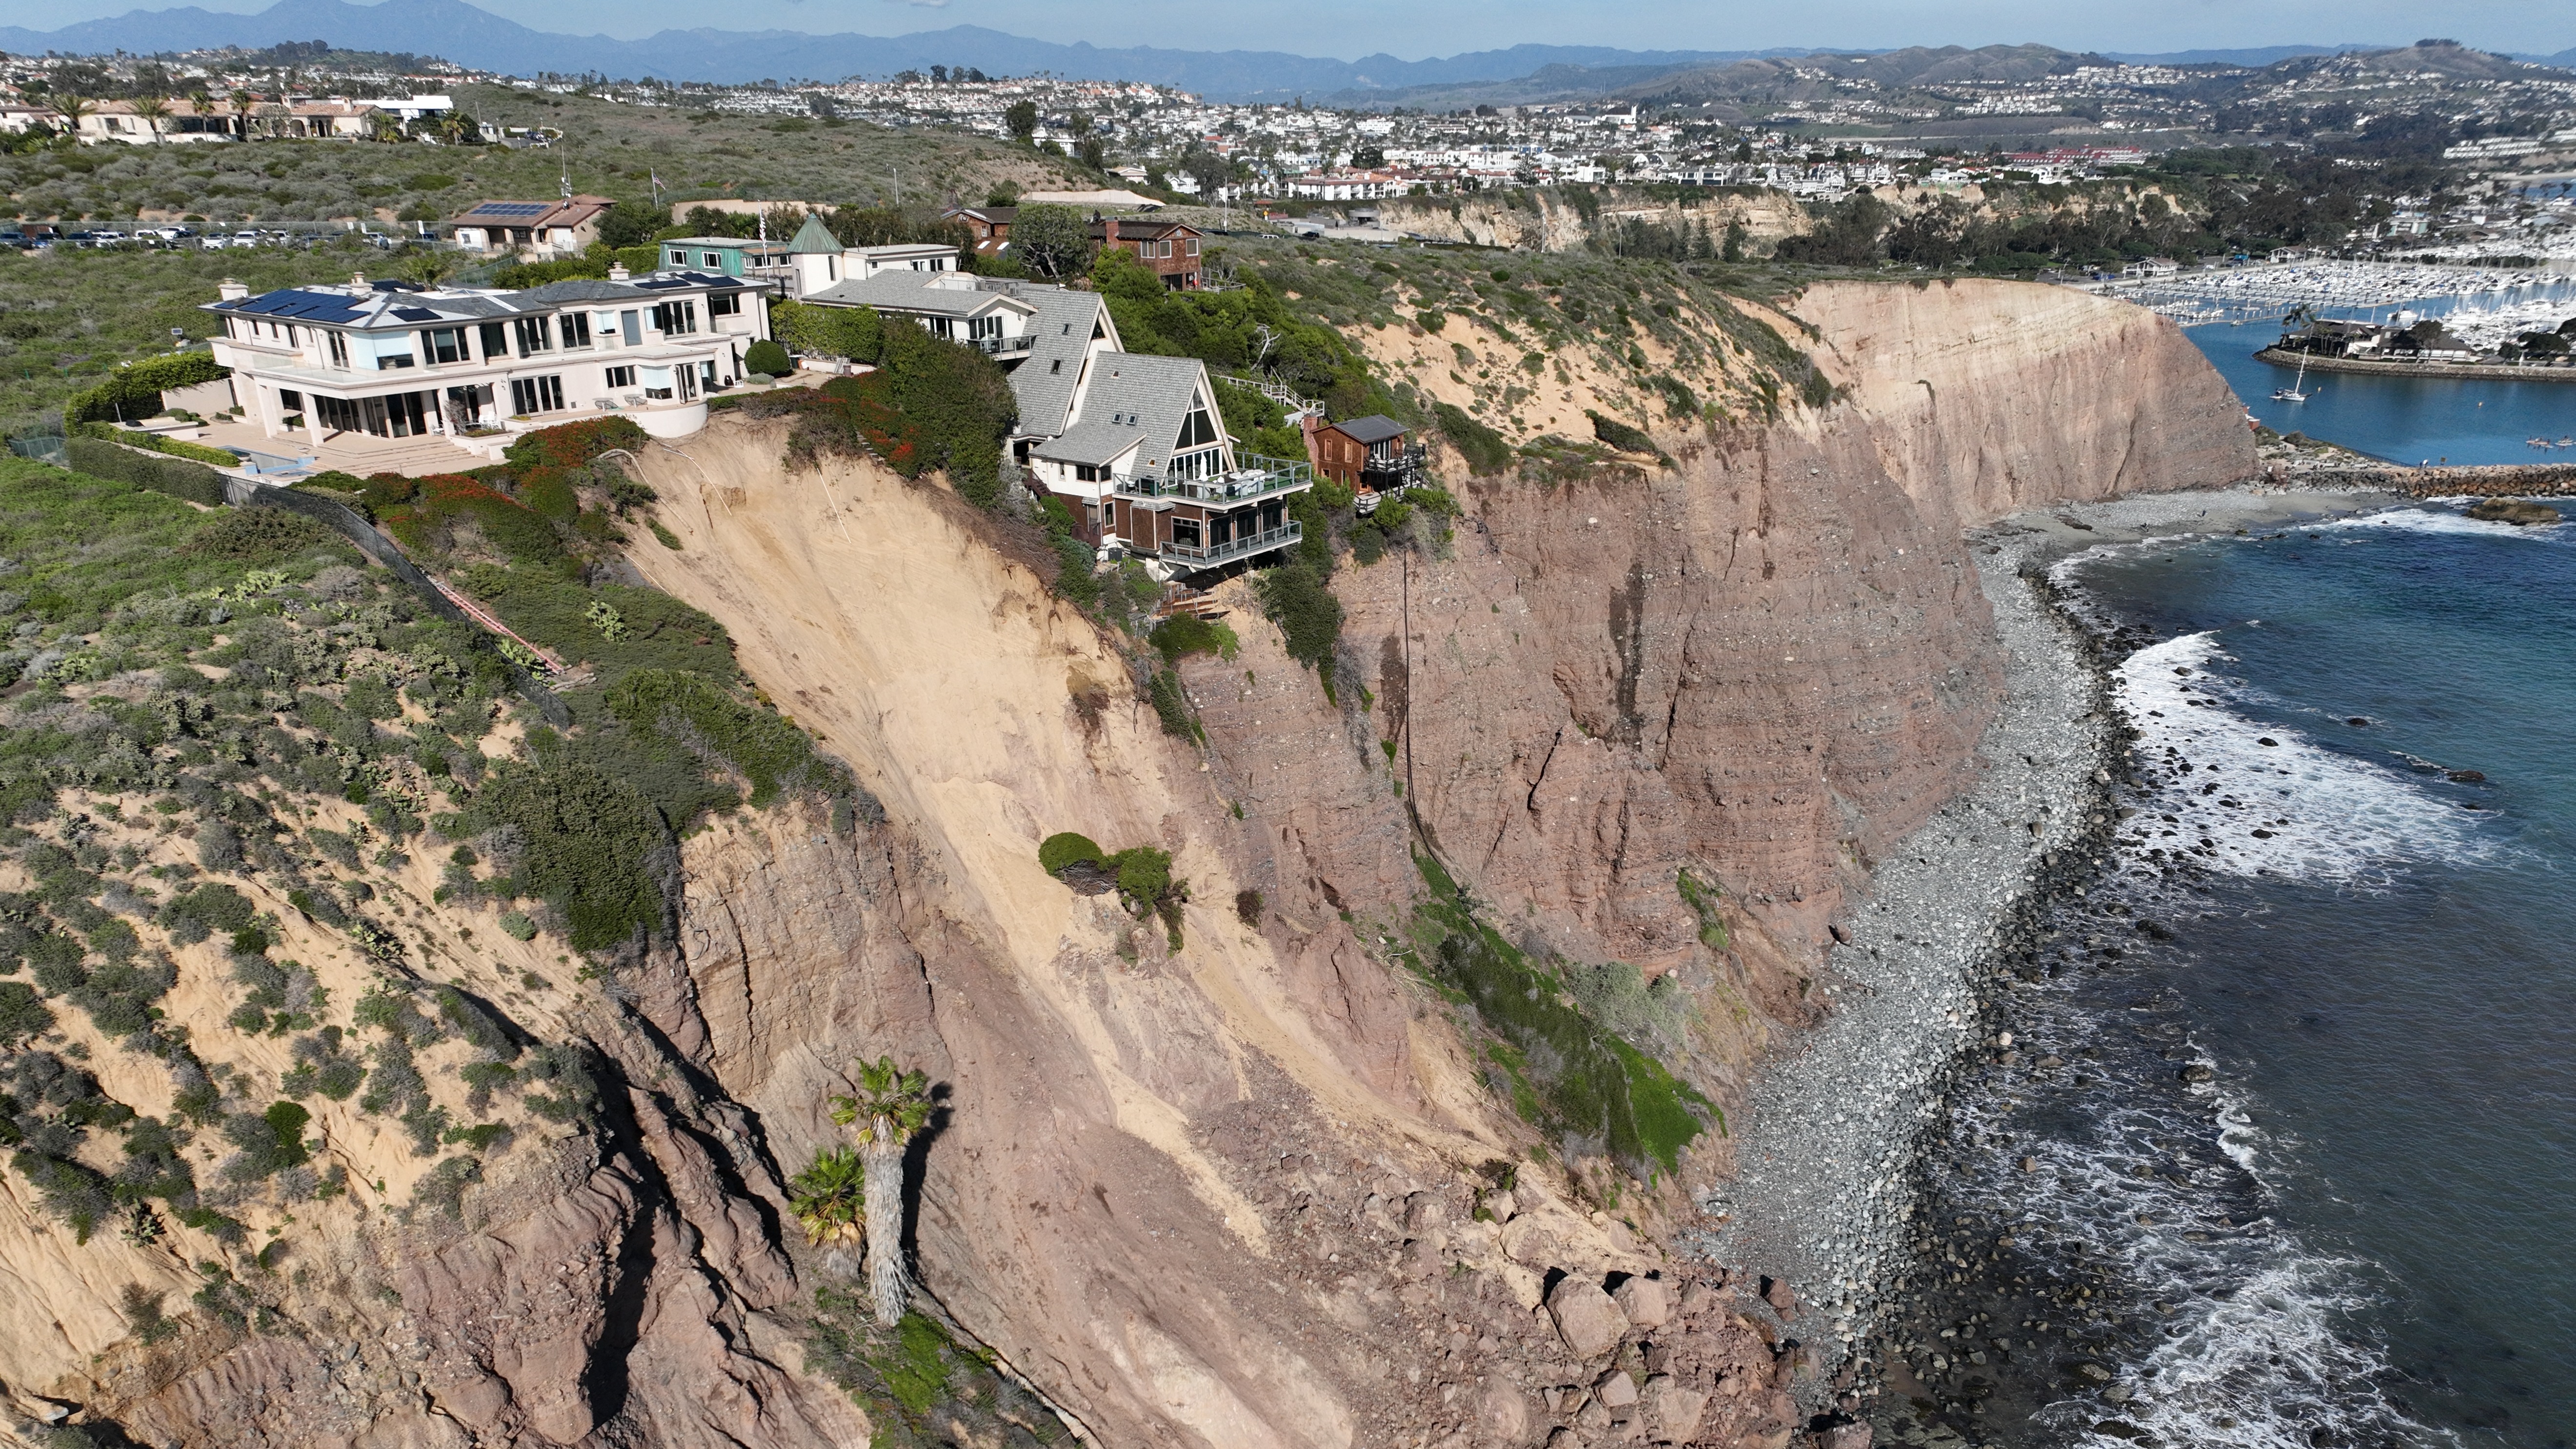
1209	554
1002	346
1258	477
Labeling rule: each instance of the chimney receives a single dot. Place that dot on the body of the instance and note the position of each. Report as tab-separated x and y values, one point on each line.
231	289
1308	422
357	279
1112	239
618	273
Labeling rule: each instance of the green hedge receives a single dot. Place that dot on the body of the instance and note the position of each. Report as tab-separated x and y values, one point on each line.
194	482
134	391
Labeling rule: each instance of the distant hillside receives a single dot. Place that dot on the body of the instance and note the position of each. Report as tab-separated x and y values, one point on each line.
471	36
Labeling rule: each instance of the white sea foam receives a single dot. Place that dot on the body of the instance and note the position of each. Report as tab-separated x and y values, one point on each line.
2433	520
2327	816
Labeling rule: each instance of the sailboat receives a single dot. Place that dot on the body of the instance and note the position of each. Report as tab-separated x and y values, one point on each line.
2295	391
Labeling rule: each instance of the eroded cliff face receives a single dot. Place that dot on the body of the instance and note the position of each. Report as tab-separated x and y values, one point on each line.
1223	1194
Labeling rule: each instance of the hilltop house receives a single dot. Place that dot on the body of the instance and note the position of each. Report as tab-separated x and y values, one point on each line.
1367	455
396	360
1133	445
1169	249
818	261
990	226
732	255
531	229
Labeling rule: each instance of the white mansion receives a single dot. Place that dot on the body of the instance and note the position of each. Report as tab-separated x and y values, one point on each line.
398	360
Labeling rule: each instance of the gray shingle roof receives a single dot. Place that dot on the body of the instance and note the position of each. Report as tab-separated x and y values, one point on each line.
1091	443
1139	395
1061	330
1375	428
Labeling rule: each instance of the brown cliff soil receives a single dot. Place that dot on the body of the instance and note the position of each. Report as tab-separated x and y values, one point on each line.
1267	1188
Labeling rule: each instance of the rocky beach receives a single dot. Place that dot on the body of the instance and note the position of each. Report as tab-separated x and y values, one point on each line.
1838	1193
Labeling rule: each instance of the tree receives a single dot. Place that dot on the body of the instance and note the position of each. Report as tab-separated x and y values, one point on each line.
891	1107
829	1198
1210	170
72	107
1367	158
427	266
1052	240
242	103
153	110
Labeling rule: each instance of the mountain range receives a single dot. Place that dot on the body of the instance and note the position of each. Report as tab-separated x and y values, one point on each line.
474	37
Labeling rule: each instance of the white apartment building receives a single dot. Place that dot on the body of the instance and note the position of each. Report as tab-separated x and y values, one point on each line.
396	360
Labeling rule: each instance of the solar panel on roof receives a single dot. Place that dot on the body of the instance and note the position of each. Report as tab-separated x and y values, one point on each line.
512	208
415	314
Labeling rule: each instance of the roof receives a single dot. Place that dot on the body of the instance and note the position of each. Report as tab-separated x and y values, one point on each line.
989	215
395	305
1095	443
916	292
1134	395
570	211
1375	428
814	238
1060	334
1087	198
1142	228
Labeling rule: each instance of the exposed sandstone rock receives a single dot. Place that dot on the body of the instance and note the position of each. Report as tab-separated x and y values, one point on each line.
1585	1317
1644	1301
1671	1411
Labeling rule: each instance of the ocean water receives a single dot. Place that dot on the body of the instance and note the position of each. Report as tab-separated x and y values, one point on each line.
2400	419
2283	1149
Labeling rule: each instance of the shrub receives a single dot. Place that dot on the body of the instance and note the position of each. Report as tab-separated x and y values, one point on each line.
770	753
1622	436
192	482
852	332
768	357
442	500
1171	706
1298	600
134	390
518	926
574	444
1065	848
256	535
1482	447
547	491
594	845
22	1013
1184	634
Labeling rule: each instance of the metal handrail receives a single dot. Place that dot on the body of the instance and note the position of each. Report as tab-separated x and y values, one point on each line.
1211	553
1275	475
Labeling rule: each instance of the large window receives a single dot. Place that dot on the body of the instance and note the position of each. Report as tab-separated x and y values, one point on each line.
443	344
496	340
576	329
534	335
621	377
1197	431
536	395
725	304
675	317
338	346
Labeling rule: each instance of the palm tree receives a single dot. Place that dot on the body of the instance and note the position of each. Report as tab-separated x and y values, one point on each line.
72	107
153	110
828	1197
892	1106
242	103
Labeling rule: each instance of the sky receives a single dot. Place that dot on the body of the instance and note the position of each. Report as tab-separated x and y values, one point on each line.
1412	29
